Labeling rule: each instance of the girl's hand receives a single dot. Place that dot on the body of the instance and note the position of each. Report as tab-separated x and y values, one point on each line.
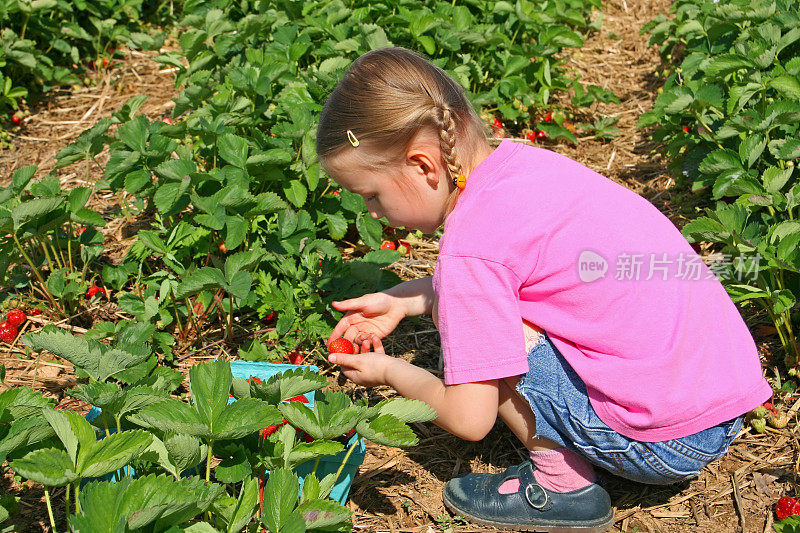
372	314
364	368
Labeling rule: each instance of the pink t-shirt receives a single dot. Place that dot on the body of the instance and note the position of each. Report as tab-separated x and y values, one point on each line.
538	236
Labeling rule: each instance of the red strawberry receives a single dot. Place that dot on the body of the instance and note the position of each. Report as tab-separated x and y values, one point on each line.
388	245
94	291
305	436
16	318
335	193
79	231
299	398
350	433
36	311
257	380
496	124
295	358
271	316
541	135
686	129
769	406
269	430
548	117
168	121
786	507
8	332
341	346
223	248
105	61
16	120
531	136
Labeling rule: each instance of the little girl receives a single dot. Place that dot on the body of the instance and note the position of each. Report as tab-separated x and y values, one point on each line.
568	305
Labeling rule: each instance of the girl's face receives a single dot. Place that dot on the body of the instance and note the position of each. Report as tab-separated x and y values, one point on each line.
414	194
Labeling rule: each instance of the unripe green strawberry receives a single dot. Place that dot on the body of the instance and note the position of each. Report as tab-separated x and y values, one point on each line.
759	425
758	412
778	419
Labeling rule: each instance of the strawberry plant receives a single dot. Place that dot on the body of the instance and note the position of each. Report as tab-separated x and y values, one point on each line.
728	120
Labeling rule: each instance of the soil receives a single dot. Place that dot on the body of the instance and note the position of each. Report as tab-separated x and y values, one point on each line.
400	490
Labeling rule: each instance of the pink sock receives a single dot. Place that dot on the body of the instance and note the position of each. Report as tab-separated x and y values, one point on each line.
559	470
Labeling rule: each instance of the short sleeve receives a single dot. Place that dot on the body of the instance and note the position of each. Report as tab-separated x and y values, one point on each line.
479	320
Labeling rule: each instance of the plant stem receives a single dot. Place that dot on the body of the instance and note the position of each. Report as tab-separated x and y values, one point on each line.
37	273
77	497
344	461
229	333
50	509
66	506
208	460
316	464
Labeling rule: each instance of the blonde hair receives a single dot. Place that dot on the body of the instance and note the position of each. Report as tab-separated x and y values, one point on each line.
389	95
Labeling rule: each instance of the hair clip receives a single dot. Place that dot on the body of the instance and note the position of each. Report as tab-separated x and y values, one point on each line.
460	181
352	138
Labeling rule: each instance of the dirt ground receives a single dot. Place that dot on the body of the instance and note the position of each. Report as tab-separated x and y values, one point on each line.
400	490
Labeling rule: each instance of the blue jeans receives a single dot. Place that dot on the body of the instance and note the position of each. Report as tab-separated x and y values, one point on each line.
564	415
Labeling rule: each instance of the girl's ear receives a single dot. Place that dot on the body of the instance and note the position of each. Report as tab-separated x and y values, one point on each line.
424	160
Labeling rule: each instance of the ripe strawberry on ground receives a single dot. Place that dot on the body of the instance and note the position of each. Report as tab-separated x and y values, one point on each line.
541	135
168	121
295	358
16	120
786	507
94	291
341	346
548	117
36	311
496	124
16	318
223	248
7	332
531	136
388	245
686	129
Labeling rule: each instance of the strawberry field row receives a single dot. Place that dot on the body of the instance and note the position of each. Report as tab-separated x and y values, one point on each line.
729	121
239	218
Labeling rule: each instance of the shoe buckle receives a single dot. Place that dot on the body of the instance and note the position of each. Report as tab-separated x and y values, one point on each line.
536	496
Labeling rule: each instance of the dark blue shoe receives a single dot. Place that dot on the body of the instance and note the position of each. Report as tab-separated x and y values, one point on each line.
532	508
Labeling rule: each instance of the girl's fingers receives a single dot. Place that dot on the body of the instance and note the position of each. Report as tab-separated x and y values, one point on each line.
377	345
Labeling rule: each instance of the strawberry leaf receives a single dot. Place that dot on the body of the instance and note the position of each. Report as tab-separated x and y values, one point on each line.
387	430
50	467
113	452
319	514
244	417
174	414
407	409
280	496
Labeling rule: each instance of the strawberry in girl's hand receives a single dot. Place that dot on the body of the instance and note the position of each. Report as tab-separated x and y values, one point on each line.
341	346
16	318
295	358
8	332
786	507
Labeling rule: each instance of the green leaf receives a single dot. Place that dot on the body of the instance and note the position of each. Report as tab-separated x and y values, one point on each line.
243	417
74	432
719	161
280	496
319	514
34	209
296	193
176	169
288	384
164	502
113	452
234	466
370	230
775	178
245	506
206	278
22	176
210	384
787	85
387	430
407	409
233	149
173	414
752	147
50	467
134	133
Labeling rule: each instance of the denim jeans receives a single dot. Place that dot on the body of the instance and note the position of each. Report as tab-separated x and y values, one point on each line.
564	415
